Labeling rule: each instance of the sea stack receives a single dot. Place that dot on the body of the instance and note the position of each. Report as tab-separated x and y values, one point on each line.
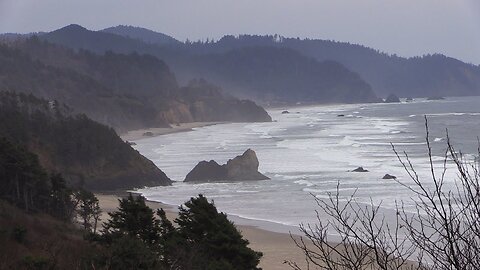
240	168
392	98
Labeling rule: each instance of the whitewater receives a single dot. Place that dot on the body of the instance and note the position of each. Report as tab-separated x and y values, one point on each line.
310	150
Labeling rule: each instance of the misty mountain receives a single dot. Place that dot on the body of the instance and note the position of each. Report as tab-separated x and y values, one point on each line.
124	91
429	75
77	37
20	73
146	35
266	73
280	75
87	153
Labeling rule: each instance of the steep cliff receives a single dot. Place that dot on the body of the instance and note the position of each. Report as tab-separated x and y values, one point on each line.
87	153
142	87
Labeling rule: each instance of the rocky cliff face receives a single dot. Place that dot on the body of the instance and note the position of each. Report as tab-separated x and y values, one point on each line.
123	91
240	168
207	171
244	167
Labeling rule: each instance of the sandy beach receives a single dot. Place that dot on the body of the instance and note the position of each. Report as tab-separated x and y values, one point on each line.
276	247
138	134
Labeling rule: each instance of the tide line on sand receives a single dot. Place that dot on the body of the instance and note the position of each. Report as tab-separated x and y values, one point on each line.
138	134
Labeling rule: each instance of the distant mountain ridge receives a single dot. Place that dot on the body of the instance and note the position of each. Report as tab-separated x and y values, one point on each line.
423	76
146	35
222	69
429	75
276	75
124	91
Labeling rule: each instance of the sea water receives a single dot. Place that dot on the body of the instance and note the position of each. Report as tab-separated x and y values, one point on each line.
312	150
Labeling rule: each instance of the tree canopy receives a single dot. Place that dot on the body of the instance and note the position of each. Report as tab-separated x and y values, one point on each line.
202	238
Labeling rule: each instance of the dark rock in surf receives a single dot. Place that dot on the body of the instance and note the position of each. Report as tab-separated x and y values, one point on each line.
241	168
392	99
206	171
285	112
360	169
388	176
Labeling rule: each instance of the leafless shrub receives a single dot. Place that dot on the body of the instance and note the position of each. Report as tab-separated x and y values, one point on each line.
442	233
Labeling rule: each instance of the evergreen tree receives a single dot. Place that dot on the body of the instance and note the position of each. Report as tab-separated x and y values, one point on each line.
206	239
203	238
133	218
127	252
88	210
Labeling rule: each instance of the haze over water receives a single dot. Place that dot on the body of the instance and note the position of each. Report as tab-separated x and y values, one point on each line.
310	150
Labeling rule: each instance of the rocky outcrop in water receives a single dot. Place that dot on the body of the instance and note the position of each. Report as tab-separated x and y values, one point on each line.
241	168
360	169
389	176
392	99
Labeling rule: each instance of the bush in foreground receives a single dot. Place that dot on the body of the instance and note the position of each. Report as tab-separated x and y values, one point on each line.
443	233
203	238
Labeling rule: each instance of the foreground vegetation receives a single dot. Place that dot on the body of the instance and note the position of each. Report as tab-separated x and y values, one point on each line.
44	224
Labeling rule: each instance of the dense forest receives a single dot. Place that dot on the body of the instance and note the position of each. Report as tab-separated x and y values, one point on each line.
20	73
87	153
145	35
423	76
46	224
246	72
123	91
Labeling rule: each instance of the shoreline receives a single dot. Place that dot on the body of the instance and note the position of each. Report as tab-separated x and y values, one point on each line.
138	134
273	241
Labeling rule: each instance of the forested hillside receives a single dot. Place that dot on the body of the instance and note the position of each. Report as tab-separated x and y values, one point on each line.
146	35
422	76
281	75
123	91
47	224
20	73
87	153
247	72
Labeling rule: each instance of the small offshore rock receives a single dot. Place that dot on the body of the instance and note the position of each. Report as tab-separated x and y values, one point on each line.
360	169
388	176
392	98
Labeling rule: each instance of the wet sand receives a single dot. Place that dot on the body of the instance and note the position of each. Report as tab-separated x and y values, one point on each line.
138	134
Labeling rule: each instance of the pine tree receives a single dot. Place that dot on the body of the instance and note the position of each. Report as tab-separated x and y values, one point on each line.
209	240
88	210
133	218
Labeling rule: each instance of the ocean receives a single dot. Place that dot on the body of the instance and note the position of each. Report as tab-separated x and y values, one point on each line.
311	150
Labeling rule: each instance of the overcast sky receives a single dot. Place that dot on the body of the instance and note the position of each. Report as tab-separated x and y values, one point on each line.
404	27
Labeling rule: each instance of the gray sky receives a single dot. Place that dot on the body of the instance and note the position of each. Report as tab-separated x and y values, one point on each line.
404	27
